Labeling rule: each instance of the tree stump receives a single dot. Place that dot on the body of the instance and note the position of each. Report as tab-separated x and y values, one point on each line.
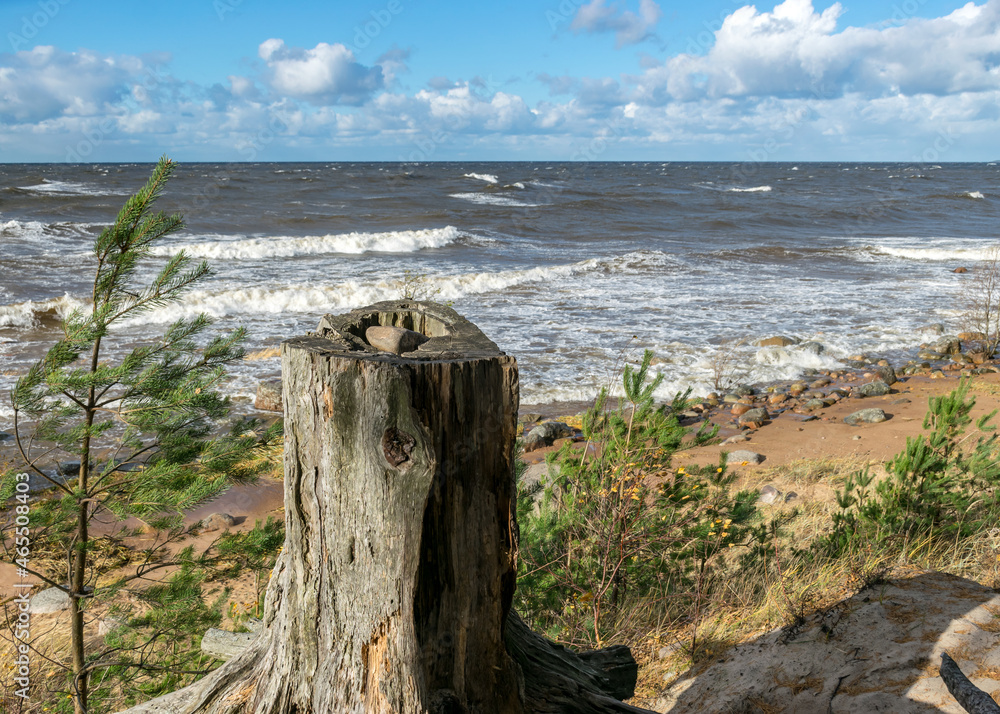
393	591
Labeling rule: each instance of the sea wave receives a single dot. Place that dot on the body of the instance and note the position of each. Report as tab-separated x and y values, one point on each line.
975	194
286	247
488	178
932	254
71	188
752	189
490	199
21	229
352	294
34	313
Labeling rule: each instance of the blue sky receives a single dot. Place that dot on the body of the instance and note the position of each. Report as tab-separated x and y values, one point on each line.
556	80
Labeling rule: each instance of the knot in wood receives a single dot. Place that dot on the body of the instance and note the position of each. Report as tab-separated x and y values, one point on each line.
397	446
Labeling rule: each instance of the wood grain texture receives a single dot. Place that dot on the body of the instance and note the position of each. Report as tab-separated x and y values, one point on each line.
395	584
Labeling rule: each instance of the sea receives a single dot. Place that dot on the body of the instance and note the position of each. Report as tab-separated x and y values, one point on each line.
574	268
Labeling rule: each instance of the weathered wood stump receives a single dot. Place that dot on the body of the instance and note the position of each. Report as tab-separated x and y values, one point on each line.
394	588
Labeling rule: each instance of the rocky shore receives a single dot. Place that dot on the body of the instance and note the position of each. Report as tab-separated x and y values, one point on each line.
864	390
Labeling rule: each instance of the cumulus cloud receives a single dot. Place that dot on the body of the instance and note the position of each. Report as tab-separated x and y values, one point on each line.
324	75
394	62
789	79
794	51
44	83
629	27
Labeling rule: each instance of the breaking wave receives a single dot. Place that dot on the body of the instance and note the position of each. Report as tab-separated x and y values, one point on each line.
287	247
488	178
32	313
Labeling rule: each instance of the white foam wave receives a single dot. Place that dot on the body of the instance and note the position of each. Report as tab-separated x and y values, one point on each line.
489	199
19	229
352	294
71	188
516	184
29	313
975	194
286	247
752	189
488	178
933	254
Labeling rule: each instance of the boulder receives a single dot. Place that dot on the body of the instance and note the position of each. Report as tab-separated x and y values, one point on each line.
534	479
812	405
545	434
948	345
877	651
68	468
886	374
777	341
739	409
4	436
755	417
813	348
865	416
738	458
971	336
269	396
552	430
396	340
217	522
49	601
930	355
225	645
769	494
878	388
960	270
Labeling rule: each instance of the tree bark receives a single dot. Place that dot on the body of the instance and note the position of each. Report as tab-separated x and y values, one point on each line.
971	698
394	587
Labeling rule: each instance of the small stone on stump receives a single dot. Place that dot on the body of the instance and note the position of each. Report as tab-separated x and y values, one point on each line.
396	340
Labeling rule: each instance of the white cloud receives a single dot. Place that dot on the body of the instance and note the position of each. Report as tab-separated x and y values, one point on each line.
323	76
44	83
629	27
794	51
791	82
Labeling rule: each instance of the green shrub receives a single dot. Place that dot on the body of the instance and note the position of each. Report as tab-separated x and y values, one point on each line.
943	485
619	526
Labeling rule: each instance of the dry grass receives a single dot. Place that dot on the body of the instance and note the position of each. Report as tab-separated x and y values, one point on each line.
266	353
745	605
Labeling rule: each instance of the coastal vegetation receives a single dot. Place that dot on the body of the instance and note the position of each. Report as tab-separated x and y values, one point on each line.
621	544
123	447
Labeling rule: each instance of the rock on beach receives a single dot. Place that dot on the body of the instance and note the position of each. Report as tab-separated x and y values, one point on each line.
865	416
740	456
